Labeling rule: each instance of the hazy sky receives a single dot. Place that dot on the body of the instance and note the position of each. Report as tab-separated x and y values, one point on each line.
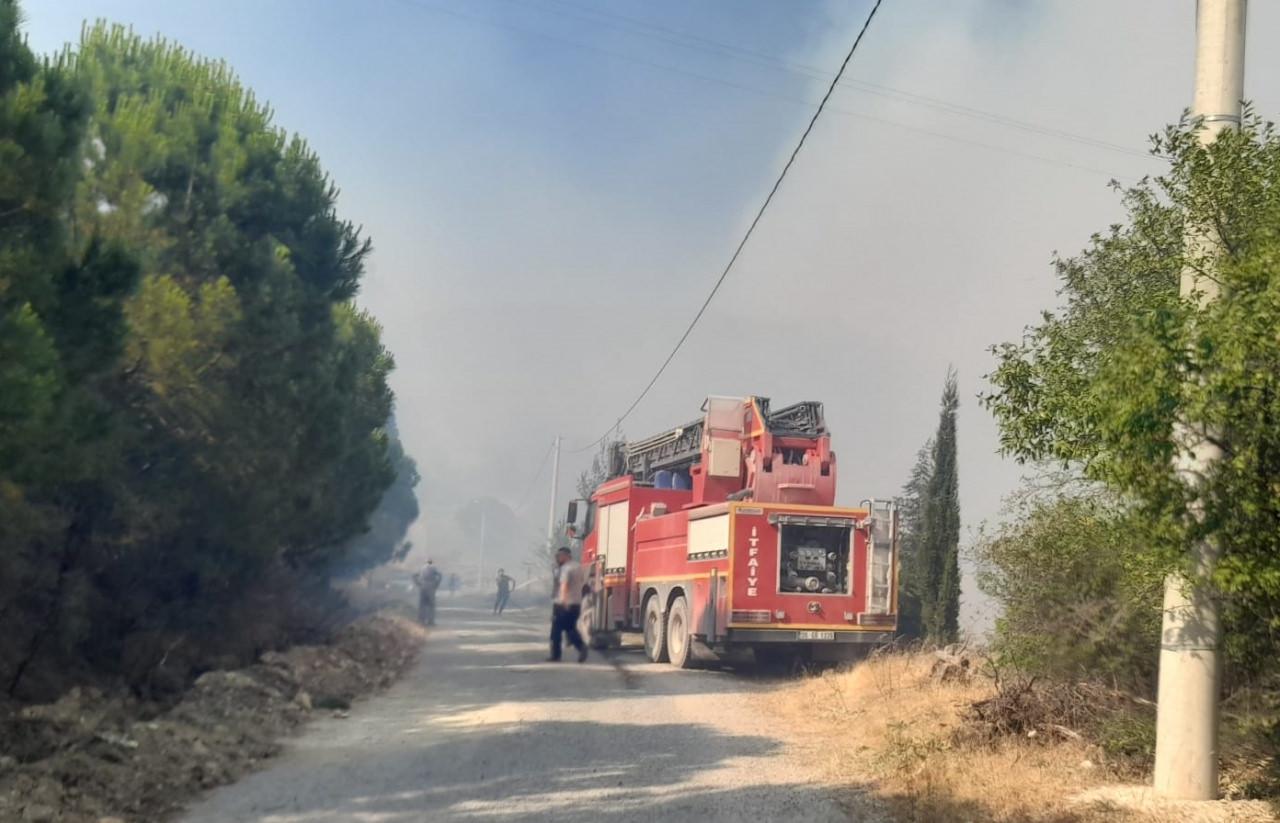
553	185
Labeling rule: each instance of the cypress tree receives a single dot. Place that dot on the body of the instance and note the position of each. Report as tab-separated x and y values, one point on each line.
940	537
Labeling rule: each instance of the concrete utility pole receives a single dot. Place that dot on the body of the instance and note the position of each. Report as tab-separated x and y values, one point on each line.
480	564
555	492
1190	666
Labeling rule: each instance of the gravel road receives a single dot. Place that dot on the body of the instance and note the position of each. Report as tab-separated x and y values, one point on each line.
482	730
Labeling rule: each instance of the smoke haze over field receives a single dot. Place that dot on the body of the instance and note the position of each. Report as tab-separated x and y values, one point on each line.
553	185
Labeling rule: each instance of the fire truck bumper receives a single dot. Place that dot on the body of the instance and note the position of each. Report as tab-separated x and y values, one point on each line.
824	638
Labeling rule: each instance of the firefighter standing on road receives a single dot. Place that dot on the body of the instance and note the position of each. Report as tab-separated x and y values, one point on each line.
427	581
504	581
566	605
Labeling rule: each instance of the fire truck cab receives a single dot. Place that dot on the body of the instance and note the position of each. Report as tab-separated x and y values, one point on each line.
721	537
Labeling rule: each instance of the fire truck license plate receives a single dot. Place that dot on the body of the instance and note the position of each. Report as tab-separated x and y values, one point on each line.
815	635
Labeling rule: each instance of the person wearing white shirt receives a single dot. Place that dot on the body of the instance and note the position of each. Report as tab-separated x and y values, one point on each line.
566	605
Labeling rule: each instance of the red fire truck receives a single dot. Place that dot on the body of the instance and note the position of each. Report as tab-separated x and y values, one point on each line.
721	536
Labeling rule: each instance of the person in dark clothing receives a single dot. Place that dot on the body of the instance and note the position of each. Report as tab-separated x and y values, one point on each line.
427	581
505	582
566	605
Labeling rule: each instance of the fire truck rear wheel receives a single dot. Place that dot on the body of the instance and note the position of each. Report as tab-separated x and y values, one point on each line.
678	641
655	632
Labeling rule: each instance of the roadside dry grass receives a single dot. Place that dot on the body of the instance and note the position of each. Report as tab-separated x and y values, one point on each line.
886	726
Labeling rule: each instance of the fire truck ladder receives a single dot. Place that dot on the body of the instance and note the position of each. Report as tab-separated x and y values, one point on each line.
798	420
673	450
680	448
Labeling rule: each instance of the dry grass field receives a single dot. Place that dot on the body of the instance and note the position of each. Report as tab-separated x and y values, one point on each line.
887	726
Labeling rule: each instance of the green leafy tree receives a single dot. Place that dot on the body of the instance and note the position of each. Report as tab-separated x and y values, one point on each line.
938	565
1077	598
1100	384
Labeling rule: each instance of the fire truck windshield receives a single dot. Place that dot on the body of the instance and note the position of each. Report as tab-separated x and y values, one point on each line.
815	559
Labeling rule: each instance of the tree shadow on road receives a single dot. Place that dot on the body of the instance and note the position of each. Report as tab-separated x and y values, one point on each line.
552	770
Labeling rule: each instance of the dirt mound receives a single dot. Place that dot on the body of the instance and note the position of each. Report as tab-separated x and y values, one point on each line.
365	656
90	755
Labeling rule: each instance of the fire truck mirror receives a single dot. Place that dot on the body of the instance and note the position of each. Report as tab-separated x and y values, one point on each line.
578	519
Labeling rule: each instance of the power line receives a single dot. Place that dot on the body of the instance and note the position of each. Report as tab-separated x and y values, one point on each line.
750	229
533	481
614	429
834	83
419	4
690	41
991	117
1053	161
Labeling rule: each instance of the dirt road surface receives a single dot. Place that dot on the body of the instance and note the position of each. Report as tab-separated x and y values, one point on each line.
483	730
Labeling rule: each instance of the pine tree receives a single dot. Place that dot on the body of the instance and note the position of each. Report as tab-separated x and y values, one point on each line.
940	537
61	334
384	541
193	412
42	119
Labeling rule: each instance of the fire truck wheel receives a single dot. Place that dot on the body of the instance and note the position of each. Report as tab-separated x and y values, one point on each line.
678	634
655	632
